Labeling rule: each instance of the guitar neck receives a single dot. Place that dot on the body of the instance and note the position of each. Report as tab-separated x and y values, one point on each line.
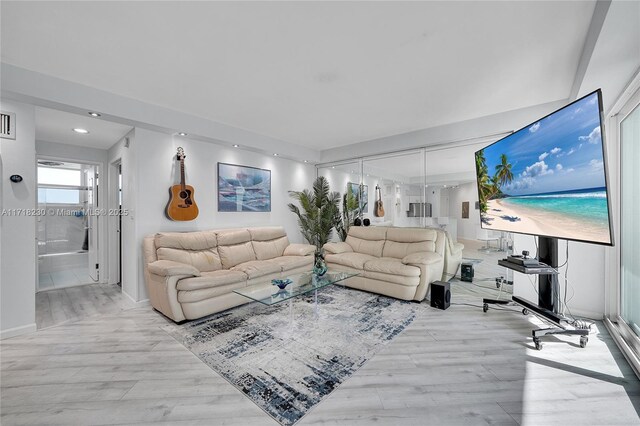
182	184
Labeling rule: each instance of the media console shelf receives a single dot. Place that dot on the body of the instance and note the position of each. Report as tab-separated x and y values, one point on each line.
548	295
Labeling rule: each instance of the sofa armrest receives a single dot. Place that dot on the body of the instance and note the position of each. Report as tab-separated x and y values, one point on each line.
424	258
165	268
337	248
457	247
299	250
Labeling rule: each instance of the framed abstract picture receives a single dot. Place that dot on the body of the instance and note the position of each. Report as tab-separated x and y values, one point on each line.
243	188
354	189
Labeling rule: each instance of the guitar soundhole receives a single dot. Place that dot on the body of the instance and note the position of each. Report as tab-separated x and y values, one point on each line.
184	195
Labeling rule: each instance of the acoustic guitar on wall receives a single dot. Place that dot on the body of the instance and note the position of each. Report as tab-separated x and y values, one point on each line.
182	206
378	209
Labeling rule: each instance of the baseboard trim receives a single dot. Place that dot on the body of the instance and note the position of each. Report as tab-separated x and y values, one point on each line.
18	331
138	304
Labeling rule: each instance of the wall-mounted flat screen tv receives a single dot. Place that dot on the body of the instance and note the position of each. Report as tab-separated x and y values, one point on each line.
550	177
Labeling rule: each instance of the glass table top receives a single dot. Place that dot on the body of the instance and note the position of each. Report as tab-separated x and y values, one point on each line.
269	294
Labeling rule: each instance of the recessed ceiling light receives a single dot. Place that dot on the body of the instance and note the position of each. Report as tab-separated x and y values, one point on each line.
235	145
306	161
182	134
94	114
275	155
333	167
81	131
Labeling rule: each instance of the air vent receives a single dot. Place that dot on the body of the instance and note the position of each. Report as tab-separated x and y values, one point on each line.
8	125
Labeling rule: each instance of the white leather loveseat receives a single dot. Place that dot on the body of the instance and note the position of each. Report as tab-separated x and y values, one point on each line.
396	262
193	274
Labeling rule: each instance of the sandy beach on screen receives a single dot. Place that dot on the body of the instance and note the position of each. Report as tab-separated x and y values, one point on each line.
503	215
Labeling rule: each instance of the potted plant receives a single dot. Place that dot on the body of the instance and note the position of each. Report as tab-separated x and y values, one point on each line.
318	215
351	209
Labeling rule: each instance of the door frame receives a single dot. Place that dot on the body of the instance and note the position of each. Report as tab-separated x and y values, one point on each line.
113	231
102	259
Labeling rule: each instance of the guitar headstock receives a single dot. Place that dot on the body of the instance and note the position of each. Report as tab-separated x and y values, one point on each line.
180	154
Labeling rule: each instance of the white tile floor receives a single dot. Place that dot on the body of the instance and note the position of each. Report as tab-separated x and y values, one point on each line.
63	279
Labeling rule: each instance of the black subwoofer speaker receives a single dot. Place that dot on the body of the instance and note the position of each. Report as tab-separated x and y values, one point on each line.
466	272
440	295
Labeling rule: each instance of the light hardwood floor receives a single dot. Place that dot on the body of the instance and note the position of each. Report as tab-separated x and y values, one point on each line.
459	366
54	307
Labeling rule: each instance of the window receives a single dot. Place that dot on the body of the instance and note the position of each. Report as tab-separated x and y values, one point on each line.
630	220
59	185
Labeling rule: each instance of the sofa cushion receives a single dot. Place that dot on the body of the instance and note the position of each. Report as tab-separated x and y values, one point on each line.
190	296
204	260
267	233
426	258
233	255
390	278
271	248
212	279
393	266
288	263
352	260
200	240
367	240
166	268
299	250
404	241
230	237
337	248
258	268
369	247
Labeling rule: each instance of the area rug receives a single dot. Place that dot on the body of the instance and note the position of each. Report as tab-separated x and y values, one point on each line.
286	359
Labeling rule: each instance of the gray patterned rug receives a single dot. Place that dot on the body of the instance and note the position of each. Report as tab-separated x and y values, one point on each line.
287	359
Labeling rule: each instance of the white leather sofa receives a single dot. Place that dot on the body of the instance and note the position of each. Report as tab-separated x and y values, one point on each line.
193	274
452	254
396	262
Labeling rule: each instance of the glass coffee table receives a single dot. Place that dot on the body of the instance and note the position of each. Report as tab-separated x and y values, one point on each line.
269	294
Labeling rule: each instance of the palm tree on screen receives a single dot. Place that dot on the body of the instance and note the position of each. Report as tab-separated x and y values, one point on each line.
503	171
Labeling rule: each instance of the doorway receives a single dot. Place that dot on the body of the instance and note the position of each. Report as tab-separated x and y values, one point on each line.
67	232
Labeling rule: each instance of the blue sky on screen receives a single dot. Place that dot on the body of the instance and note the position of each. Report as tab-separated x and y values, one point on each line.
558	153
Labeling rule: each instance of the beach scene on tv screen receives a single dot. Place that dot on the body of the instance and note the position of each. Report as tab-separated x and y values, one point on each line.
549	178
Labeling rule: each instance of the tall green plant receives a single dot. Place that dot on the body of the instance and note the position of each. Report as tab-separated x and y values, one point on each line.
318	213
350	210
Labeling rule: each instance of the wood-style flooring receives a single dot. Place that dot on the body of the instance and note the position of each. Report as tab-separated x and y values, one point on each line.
455	367
59	306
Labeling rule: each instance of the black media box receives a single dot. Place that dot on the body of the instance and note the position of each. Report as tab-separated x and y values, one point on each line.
466	272
440	295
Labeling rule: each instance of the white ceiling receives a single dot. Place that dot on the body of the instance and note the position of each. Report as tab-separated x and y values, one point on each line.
318	74
56	126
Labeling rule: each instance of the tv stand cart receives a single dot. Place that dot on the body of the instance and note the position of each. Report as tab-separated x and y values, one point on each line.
548	304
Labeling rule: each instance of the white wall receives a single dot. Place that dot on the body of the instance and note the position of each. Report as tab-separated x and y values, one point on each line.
465	192
18	272
157	169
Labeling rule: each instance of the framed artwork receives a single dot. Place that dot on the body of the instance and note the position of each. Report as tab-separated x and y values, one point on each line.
465	210
243	188
354	189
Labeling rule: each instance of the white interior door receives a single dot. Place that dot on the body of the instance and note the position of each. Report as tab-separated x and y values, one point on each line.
92	221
